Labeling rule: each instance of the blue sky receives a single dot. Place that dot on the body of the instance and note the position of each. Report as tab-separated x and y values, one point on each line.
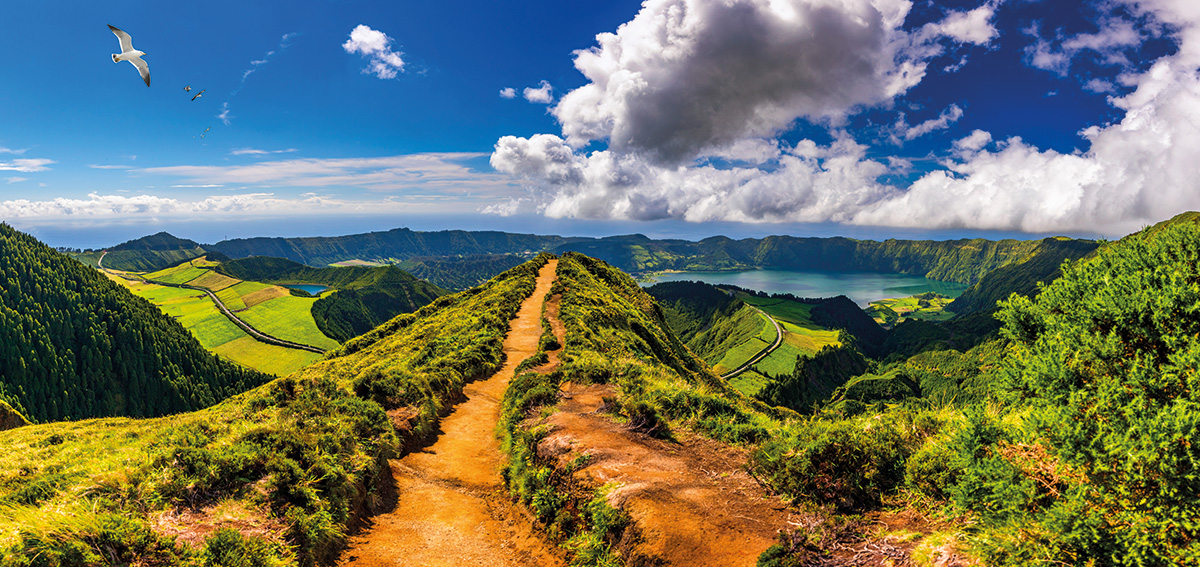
871	118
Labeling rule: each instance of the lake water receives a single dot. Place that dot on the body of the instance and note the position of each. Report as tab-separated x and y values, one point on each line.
312	289
861	287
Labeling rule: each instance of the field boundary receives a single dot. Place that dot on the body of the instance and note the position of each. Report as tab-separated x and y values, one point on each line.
255	333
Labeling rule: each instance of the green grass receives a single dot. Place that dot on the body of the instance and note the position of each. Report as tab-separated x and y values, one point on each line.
263	357
182	273
288	318
781	361
196	312
799	314
808	339
749	382
232	296
87	258
897	310
740	354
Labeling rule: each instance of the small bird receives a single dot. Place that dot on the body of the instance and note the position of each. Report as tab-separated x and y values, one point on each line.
187	89
205	132
128	53
198	94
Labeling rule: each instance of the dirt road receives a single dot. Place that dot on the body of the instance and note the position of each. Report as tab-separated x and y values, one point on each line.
451	508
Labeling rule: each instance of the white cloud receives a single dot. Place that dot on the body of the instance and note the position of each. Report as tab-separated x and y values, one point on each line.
446	172
1108	46
258	152
26	165
106	208
973	26
504	208
384	62
224	115
508	92
544	94
12	180
4	150
943	121
974	141
109	166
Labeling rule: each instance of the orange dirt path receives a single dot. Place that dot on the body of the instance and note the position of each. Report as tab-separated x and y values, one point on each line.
690	501
451	508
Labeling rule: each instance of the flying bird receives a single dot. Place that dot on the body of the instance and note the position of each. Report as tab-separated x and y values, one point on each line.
187	89
128	53
198	94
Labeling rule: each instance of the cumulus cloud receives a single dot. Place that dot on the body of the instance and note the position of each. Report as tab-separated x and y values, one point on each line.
26	165
673	88
543	94
504	208
508	92
384	63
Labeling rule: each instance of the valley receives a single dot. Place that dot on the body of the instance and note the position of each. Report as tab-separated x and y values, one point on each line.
563	414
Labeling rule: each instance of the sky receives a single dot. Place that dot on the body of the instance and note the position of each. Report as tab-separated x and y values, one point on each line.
672	118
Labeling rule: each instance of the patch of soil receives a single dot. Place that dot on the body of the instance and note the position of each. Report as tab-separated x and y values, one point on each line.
450	506
193	526
690	501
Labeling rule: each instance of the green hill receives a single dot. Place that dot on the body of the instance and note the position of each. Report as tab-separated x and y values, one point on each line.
74	344
459	273
367	296
964	260
1041	264
152	253
274	476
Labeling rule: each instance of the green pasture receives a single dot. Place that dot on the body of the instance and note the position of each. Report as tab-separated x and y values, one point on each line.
264	357
288	318
179	274
749	382
232	296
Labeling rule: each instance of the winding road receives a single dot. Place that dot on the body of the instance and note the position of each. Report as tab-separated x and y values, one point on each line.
255	333
762	354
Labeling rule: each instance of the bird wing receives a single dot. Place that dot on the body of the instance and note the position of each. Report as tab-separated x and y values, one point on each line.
126	41
142	68
198	94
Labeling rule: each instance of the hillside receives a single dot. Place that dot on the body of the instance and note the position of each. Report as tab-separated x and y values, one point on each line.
271	477
1021	276
75	345
964	261
151	253
367	296
459	273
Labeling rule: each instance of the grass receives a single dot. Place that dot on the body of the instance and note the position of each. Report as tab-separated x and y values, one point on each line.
926	307
288	318
234	296
182	273
741	354
197	313
749	382
781	361
809	340
264	357
213	281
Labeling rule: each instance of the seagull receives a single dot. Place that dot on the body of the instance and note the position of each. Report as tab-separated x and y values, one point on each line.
128	53
187	89
198	94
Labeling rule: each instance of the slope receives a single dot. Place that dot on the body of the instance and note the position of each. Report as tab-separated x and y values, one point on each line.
74	344
275	476
367	296
150	253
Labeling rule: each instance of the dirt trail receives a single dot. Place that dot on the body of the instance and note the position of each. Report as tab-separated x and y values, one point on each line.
450	508
690	501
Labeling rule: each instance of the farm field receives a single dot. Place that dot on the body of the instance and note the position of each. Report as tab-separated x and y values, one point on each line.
268	308
289	318
926	306
749	382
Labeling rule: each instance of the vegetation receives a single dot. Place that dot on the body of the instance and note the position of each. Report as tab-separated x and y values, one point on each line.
299	457
928	306
151	253
367	296
73	344
1022	276
964	261
459	273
